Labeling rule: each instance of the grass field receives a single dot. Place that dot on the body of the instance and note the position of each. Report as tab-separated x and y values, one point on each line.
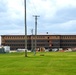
52	63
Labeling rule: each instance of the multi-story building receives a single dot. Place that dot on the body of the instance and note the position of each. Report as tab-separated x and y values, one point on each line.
46	41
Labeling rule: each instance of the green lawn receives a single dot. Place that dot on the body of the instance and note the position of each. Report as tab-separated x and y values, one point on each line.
52	63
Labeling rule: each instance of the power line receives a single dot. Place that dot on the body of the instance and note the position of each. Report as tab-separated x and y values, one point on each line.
33	7
30	8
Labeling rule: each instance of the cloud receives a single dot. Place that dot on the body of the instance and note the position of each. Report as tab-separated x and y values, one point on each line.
11	16
65	14
63	20
55	16
3	6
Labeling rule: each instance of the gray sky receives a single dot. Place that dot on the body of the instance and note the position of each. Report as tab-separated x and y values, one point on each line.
56	16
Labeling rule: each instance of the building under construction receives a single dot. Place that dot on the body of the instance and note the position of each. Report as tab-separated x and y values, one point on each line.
47	41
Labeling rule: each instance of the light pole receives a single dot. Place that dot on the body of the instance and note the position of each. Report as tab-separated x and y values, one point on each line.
36	17
25	29
32	40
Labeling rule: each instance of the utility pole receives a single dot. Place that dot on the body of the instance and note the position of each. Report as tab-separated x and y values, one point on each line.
25	30
32	40
36	17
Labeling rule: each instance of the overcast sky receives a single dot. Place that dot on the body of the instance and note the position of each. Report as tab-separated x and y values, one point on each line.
56	16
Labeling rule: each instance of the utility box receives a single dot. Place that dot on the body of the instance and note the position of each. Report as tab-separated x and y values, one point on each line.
2	50
7	49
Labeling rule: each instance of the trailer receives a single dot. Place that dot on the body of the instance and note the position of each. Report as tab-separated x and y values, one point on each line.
7	49
4	49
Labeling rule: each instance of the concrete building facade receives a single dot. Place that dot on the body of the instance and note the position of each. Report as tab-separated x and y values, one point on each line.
47	41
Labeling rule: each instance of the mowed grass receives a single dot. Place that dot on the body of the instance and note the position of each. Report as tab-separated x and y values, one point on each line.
52	63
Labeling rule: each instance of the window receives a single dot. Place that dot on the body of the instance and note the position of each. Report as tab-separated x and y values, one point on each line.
56	36
48	37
